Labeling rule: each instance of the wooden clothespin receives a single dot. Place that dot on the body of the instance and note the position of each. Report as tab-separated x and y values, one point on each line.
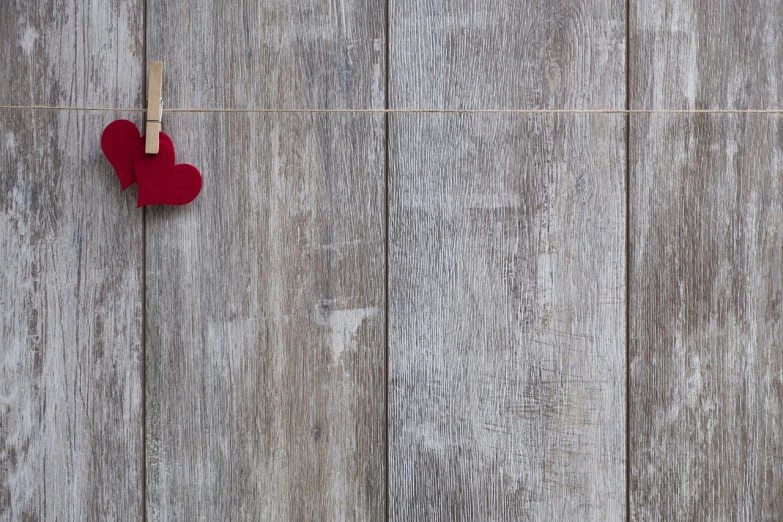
154	108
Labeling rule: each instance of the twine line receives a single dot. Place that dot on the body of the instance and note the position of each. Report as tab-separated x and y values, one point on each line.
408	111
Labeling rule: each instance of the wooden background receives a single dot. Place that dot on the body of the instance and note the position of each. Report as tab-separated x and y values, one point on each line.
403	316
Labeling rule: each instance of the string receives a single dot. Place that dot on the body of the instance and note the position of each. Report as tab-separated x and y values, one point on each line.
408	111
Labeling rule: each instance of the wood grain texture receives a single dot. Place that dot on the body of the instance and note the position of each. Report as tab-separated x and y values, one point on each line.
265	313
506	320
706	365
72	53
706	369
308	54
71	257
507	54
506	263
70	365
686	54
265	297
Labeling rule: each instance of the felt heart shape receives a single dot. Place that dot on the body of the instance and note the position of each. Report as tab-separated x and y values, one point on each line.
161	182
120	142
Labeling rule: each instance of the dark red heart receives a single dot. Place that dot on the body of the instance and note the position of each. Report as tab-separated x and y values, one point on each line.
161	182
120	142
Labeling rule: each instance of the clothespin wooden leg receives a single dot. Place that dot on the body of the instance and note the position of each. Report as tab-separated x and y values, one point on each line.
154	108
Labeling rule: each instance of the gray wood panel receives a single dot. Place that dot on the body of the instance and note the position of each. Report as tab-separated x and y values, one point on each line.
507	54
506	319
71	258
686	54
265	297
265	317
72	53
706	380
269	54
506	251
706	368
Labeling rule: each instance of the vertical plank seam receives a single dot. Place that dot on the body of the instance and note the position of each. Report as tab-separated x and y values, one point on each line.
386	262
144	305
144	364
627	261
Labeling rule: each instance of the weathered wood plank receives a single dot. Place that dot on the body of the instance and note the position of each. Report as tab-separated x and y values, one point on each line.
71	257
72	53
706	406
265	297
506	320
506	268
308	54
265	356
706	369
686	54
507	54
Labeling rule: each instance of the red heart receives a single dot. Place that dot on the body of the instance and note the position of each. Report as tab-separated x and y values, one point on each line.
120	142
163	183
